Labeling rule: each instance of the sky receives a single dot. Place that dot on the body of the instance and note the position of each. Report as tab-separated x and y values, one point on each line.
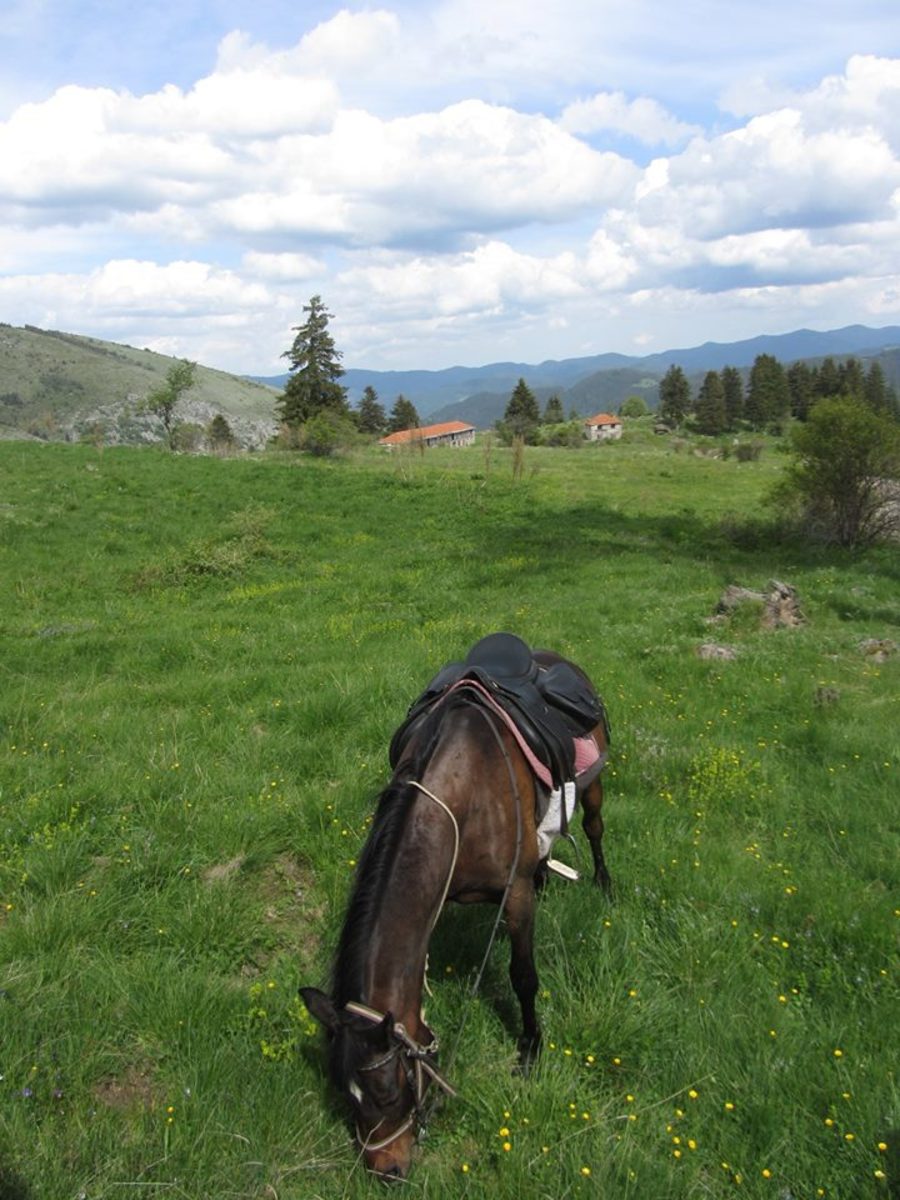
461	181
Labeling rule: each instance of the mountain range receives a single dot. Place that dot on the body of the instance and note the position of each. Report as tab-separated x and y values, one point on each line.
63	385
601	381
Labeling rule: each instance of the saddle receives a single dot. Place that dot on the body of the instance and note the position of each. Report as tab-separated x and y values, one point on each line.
550	705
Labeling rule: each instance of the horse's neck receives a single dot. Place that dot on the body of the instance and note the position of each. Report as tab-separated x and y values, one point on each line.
395	964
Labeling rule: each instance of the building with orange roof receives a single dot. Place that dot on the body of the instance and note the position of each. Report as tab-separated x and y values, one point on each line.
448	433
602	428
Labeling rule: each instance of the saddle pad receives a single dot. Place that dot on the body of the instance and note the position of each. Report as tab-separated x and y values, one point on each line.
588	759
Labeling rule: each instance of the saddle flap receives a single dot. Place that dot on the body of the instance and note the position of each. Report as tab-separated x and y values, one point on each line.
566	691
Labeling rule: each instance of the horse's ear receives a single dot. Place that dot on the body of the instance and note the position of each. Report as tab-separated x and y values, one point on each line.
321	1007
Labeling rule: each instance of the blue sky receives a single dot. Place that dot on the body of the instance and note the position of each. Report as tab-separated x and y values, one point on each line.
462	181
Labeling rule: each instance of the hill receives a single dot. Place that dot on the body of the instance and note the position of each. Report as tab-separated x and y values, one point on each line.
67	386
602	381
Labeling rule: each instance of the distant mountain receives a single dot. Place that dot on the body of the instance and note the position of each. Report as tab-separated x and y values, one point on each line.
61	385
601	381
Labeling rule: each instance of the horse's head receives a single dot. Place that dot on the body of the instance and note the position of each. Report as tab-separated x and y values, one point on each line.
383	1072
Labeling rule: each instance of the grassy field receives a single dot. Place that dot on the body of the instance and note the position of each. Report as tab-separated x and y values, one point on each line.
202	662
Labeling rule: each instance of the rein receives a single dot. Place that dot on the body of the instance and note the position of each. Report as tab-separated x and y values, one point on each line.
414	1057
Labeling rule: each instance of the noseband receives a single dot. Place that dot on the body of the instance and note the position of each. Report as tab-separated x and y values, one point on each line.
416	1061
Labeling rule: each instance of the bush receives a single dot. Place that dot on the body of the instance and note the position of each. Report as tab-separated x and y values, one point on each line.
748	451
845	471
325	433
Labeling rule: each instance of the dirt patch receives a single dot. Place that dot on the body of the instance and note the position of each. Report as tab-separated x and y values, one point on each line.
222	872
134	1089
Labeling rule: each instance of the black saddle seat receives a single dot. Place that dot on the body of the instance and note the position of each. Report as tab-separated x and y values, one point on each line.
504	658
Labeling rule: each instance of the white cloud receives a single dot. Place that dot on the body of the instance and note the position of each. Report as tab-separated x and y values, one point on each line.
642	118
451	165
287	267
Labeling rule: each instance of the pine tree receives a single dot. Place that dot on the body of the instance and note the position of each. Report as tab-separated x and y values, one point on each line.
554	414
828	379
709	411
370	417
768	396
403	416
733	393
674	396
522	415
316	368
853	379
802	386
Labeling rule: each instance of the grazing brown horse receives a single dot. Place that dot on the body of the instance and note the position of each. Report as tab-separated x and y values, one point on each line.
457	822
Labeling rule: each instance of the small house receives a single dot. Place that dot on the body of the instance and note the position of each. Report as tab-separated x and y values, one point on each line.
602	428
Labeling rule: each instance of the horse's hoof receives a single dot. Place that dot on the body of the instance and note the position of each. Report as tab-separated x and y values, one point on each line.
529	1049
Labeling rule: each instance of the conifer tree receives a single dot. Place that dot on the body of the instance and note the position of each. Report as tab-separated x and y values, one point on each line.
802	386
709	411
370	417
522	415
768	396
315	370
674	396
554	414
403	415
733	394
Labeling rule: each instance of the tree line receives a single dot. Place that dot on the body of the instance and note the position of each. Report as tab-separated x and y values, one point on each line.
773	394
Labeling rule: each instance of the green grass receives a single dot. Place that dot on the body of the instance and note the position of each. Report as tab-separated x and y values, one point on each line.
202	663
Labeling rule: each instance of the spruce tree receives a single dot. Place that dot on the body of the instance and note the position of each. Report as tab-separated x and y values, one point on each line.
828	379
733	393
802	386
674	396
403	416
768	396
709	411
370	416
522	415
554	414
315	370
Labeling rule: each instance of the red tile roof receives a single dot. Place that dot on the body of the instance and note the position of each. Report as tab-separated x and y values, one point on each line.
445	429
602	419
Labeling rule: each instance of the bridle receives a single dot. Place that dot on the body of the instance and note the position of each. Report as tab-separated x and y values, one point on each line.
418	1066
414	1057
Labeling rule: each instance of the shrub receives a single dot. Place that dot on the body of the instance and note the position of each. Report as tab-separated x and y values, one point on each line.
845	471
748	451
325	433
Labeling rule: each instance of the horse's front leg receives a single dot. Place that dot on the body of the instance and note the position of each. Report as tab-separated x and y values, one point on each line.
592	824
522	971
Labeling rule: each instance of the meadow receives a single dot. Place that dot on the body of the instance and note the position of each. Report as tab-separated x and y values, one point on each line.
201	663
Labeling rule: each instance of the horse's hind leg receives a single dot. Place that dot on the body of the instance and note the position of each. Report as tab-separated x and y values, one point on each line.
522	971
592	824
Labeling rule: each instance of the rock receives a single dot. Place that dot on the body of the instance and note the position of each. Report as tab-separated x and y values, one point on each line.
712	650
878	649
781	609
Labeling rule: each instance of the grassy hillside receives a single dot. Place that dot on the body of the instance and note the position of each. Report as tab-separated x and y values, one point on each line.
55	385
203	661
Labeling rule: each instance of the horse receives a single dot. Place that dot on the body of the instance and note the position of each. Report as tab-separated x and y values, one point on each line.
458	822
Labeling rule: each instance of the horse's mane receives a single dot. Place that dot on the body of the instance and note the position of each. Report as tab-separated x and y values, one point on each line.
378	856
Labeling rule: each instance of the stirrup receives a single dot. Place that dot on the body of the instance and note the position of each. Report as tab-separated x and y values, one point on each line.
563	869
